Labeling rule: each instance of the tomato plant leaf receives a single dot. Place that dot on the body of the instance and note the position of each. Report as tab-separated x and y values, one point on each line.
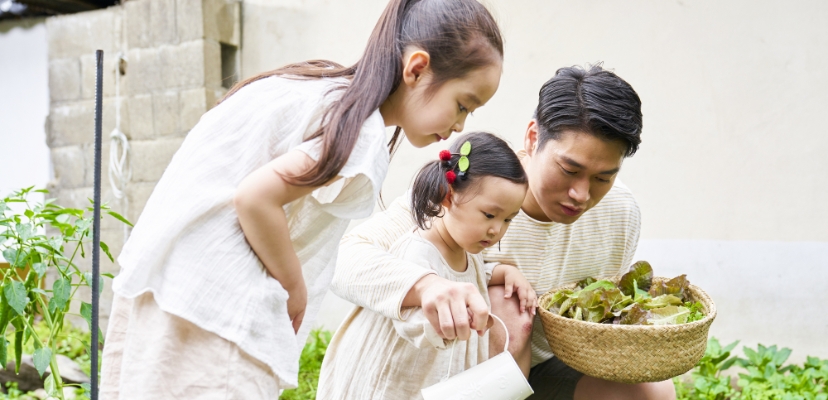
4	351
15	293
86	313
60	292
24	231
39	268
120	217
105	249
49	386
41	359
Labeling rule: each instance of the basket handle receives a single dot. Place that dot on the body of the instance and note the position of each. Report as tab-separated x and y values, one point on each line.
505	346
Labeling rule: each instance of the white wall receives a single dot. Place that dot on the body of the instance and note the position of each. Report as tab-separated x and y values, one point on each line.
731	172
24	104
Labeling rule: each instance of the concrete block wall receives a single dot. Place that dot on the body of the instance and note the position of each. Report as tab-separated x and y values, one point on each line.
172	75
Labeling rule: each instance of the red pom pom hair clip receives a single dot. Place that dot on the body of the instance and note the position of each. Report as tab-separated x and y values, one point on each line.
451	177
445	155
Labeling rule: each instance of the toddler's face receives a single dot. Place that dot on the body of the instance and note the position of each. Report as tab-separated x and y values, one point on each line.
479	218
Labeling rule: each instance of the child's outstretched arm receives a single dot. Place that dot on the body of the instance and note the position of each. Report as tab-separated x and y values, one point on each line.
370	277
514	282
259	202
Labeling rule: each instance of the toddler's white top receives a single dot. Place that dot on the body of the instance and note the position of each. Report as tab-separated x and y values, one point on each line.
188	247
372	357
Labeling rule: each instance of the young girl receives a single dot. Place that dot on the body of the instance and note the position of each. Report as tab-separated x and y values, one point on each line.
462	203
234	251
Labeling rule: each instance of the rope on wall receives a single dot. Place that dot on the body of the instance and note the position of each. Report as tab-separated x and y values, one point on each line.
120	170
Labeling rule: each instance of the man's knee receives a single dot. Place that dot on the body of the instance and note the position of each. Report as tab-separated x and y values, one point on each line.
519	324
664	390
594	388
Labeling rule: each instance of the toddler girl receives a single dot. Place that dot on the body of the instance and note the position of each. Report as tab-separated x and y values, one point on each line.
463	203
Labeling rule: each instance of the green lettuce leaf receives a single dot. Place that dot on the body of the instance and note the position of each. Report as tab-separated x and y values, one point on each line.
585	282
554	302
676	286
602	284
637	315
696	311
601	304
670	315
640	275
579	314
662	301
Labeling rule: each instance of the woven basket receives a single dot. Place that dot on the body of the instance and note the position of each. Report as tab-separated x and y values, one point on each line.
629	353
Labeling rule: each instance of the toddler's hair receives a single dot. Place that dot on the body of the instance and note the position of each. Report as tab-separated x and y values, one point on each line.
489	156
459	36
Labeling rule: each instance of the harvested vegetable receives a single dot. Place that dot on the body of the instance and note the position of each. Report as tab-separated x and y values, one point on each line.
635	300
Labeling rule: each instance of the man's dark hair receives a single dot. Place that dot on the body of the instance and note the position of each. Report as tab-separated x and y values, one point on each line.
593	101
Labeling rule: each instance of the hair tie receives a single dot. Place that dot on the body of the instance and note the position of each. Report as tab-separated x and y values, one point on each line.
450	177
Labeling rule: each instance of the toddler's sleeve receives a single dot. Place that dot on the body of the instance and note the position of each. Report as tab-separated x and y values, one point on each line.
419	332
414	326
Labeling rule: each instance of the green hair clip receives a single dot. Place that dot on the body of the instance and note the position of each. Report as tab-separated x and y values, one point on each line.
463	162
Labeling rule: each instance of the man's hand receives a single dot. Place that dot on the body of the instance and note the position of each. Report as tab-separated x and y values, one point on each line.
454	309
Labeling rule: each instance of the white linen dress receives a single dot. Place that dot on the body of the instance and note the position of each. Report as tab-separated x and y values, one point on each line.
372	357
189	254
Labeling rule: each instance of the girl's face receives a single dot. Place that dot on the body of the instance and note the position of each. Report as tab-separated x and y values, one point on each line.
429	116
479	218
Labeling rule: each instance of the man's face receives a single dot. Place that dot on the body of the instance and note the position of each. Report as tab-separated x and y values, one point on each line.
570	174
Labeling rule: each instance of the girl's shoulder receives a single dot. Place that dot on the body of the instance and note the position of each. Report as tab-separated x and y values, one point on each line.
274	90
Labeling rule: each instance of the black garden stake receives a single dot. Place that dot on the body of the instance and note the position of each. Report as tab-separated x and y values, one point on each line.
96	227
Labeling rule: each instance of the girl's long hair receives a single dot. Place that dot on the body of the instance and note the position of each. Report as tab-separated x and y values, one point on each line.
459	36
489	156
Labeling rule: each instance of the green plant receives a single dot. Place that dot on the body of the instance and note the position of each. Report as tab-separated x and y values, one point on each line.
309	365
72	342
764	377
768	379
708	382
31	254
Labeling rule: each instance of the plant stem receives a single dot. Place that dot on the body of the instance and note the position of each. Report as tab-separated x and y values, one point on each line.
53	365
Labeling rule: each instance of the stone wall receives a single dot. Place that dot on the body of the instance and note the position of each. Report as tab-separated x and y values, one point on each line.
176	53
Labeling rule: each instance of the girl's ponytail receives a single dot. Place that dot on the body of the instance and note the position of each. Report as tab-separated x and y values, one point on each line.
427	194
459	35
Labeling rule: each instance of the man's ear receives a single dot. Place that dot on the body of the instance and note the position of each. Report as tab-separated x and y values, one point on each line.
530	139
415	65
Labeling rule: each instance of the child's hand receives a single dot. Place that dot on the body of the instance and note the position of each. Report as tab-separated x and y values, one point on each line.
514	281
296	303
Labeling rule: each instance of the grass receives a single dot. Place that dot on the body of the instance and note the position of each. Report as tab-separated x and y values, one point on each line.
309	365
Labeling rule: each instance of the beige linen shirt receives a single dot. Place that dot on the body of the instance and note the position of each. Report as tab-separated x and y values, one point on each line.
188	248
375	357
601	243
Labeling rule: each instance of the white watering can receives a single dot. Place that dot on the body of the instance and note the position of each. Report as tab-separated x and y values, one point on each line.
498	378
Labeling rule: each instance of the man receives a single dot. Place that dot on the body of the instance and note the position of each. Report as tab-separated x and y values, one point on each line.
575	222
